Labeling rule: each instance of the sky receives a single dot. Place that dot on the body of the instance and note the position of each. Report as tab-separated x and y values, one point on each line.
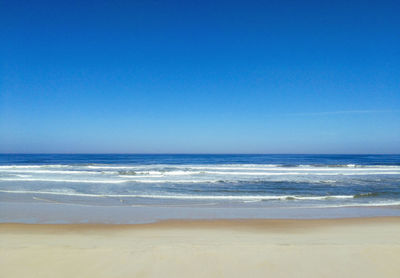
199	76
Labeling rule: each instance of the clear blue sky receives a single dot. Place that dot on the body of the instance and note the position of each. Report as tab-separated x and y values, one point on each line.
200	76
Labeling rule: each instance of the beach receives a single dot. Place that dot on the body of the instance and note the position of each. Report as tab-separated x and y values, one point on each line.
83	215
351	247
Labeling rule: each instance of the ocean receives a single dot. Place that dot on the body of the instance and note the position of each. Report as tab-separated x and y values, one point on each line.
254	182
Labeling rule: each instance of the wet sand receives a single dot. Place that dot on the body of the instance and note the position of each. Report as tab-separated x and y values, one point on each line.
352	247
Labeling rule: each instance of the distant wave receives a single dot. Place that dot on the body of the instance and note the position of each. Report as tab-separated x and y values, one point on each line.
211	172
63	180
74	172
201	166
34	166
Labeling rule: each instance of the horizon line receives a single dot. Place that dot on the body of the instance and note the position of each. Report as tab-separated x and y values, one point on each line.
119	153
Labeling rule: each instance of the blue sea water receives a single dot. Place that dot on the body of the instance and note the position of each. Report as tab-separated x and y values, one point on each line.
255	181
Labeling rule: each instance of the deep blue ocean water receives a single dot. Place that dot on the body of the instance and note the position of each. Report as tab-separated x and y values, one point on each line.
181	159
287	181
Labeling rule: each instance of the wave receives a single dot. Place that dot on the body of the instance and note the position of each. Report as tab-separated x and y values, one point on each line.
252	167
35	166
191	177
158	173
201	166
377	204
295	173
64	180
243	198
188	173
197	173
74	172
146	180
184	197
227	169
368	194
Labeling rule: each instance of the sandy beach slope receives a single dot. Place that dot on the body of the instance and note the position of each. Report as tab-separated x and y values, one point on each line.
362	247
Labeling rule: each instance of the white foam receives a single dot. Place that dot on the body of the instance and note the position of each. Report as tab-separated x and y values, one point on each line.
33	166
158	170
64	180
139	179
76	172
379	204
299	173
184	197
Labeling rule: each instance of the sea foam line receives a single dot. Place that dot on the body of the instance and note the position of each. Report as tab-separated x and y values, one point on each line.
212	171
135	179
158	178
79	172
187	197
379	204
205	166
34	166
64	180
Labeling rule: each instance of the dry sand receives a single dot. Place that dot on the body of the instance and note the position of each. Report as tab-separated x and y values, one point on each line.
362	247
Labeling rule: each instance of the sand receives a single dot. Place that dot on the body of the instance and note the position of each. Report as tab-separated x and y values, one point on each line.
361	247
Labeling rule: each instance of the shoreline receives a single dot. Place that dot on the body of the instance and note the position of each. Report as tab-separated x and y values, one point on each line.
216	222
50	213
